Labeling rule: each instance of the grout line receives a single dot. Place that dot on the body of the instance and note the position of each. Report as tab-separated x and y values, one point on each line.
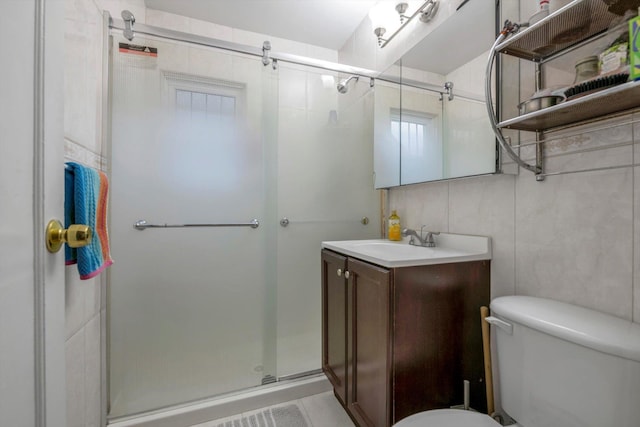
80	329
448	207
84	324
515	232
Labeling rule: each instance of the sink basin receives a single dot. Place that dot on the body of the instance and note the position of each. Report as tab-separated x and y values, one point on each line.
449	248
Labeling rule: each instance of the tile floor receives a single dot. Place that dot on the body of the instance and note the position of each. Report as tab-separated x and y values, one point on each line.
321	410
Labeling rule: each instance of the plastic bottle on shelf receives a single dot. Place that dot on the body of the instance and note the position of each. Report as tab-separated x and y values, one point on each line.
615	57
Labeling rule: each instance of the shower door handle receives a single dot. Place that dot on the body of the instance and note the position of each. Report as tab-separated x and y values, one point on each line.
284	222
142	224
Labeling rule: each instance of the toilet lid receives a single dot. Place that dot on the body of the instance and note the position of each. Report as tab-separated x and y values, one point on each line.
448	418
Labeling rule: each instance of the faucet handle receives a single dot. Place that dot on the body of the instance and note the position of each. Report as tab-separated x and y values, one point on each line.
409	232
435	233
428	239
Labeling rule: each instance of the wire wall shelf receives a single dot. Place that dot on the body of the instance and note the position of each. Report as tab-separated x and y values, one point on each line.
607	101
566	27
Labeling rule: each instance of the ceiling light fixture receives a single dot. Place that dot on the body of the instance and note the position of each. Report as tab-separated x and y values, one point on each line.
401	8
427	11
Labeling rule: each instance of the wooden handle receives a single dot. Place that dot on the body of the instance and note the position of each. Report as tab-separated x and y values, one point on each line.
486	349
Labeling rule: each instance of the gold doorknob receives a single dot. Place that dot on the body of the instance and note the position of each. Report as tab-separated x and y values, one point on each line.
76	236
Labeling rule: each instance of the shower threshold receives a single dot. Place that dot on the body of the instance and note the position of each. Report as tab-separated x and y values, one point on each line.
285	389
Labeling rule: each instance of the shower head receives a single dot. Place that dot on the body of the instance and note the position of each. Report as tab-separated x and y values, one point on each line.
343	84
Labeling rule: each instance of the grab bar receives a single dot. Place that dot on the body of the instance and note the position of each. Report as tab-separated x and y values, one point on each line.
143	225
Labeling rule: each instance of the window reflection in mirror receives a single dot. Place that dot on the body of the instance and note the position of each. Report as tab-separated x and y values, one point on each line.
419	123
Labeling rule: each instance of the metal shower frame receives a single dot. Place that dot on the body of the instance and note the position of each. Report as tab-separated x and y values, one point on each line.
265	52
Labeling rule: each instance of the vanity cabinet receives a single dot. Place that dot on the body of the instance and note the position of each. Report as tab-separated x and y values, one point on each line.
397	341
334	319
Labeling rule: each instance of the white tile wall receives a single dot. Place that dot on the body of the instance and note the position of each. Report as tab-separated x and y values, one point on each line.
574	239
75	354
420	204
203	62
83	143
92	372
293	94
209	29
491	199
169	21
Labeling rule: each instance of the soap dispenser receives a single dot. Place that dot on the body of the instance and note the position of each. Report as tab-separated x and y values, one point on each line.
394	231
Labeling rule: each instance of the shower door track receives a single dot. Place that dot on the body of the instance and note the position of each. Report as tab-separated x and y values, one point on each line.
179	36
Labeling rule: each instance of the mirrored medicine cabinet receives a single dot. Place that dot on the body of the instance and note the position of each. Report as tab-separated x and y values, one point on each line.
422	133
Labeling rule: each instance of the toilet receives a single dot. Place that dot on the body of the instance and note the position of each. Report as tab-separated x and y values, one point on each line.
556	365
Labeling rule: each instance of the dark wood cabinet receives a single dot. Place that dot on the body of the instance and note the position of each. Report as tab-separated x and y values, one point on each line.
402	340
369	349
334	322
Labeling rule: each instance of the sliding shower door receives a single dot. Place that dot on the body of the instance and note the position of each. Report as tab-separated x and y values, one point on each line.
204	142
325	192
189	310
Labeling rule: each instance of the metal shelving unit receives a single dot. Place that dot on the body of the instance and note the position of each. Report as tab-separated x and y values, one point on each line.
597	104
573	25
578	21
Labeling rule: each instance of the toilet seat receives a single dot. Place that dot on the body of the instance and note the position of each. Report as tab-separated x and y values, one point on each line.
448	418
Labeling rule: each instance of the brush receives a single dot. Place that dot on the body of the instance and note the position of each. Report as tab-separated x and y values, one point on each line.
594	85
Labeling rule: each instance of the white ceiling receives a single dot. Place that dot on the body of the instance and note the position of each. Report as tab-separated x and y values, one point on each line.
326	23
442	52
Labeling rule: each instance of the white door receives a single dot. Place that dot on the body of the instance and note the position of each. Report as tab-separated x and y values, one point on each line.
32	364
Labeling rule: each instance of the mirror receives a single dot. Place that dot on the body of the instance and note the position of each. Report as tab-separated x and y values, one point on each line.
420	132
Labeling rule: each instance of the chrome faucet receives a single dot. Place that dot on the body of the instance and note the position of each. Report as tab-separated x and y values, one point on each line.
426	241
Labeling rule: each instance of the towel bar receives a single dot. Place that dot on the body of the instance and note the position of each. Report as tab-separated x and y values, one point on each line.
143	225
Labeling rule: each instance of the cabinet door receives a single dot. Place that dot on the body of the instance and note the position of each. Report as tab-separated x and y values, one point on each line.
370	356
437	336
334	322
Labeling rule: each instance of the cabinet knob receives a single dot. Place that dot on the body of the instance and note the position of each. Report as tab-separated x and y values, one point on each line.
339	272
346	274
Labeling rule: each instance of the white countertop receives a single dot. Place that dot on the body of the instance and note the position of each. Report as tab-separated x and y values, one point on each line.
449	248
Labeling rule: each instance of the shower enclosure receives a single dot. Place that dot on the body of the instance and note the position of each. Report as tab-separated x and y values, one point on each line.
234	172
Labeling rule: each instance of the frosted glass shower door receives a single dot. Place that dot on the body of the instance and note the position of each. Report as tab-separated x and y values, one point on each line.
188	307
325	189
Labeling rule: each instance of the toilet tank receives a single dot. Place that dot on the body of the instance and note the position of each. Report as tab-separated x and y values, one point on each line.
566	366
